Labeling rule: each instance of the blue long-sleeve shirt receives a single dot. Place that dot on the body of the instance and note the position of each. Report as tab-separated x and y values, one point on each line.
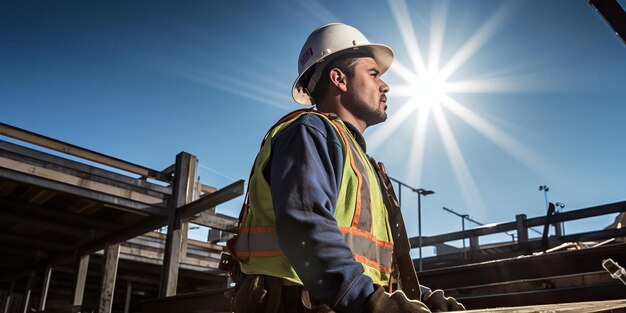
305	176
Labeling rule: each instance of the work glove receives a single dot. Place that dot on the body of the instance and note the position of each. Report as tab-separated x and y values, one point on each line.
437	302
397	302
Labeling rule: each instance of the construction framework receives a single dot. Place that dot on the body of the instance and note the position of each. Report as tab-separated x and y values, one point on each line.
73	222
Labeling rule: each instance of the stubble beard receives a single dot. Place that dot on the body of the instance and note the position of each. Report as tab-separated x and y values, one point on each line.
370	114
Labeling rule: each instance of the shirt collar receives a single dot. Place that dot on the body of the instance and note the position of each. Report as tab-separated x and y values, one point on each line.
357	135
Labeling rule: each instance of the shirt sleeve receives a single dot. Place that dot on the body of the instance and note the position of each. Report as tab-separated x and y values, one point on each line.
305	175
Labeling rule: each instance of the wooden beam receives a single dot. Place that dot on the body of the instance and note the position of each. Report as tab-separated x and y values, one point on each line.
28	291
579	214
129	291
116	201
184	183
522	229
220	221
81	278
222	195
19	153
82	182
216	221
57	215
7	303
38	243
38	223
44	288
111	257
57	145
508	226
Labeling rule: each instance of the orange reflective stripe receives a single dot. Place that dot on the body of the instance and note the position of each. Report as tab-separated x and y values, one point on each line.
260	243
257	229
373	252
362	190
368	235
257	241
363	260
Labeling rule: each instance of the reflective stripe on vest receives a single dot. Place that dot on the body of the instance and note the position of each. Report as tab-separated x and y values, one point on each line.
360	213
262	242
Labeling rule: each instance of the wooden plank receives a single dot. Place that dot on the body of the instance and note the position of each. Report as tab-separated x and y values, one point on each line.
114	201
224	194
587	307
19	153
532	222
557	263
78	181
57	145
227	193
216	221
81	278
157	235
158	255
44	288
579	214
111	257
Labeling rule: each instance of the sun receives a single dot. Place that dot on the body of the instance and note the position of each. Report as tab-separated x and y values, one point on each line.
428	90
431	97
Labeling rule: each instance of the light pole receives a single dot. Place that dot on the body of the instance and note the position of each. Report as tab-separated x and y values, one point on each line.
558	227
545	190
421	192
561	226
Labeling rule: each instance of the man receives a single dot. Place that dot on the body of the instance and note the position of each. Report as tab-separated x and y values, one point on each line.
314	233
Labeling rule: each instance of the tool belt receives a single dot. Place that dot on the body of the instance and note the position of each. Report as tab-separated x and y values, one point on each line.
262	293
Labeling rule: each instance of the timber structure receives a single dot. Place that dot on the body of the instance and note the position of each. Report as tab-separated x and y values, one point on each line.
80	232
77	228
529	271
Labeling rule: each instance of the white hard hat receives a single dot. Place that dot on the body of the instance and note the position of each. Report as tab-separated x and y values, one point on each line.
328	42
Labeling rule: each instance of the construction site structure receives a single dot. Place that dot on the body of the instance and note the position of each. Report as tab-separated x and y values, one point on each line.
80	230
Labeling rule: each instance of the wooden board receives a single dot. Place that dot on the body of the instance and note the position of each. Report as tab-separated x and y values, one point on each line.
587	307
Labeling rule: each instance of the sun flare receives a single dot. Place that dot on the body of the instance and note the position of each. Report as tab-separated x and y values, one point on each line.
428	90
429	95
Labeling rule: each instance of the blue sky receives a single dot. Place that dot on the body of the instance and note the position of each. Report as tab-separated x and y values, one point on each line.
532	95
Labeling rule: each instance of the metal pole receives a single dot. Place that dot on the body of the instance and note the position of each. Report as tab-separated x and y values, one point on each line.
463	228
419	226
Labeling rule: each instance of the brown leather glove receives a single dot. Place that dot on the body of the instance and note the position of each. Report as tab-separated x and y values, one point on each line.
397	302
437	302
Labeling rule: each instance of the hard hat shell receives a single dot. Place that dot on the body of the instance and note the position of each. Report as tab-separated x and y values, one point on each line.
327	42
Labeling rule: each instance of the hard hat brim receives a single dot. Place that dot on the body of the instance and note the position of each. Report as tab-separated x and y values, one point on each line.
382	54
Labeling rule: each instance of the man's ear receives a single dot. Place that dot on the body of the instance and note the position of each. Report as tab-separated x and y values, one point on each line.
338	79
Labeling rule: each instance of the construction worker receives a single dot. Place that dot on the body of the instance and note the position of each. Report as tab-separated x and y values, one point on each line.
314	233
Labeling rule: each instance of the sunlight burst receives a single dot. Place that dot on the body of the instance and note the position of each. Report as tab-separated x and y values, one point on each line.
429	87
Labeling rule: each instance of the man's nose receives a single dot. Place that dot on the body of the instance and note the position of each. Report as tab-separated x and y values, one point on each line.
384	87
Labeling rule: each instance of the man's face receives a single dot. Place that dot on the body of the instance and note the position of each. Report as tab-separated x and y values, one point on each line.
365	96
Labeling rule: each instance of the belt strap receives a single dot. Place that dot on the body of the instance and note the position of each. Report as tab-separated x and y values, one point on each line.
401	246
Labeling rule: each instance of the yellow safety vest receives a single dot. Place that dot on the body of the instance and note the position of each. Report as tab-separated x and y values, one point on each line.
360	213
